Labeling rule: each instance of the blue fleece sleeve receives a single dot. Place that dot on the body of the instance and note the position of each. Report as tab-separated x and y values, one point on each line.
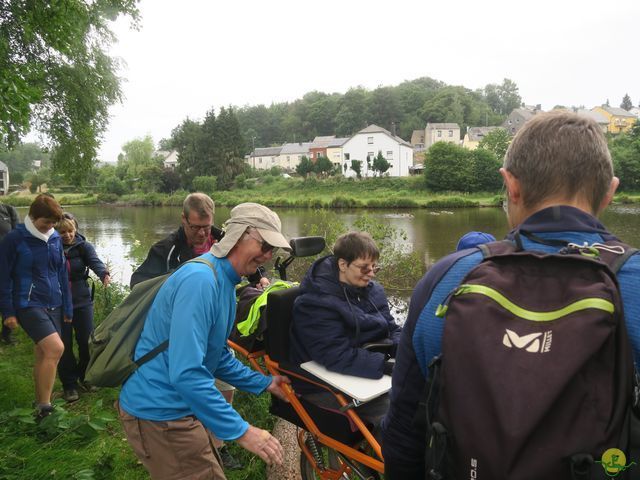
94	262
7	262
232	371
198	328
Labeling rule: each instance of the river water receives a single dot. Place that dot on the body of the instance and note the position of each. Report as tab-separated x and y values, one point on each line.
122	235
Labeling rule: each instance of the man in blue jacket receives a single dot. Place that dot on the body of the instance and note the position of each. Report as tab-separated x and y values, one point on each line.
169	406
558	176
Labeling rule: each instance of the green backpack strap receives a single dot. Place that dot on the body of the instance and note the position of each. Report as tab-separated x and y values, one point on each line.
151	354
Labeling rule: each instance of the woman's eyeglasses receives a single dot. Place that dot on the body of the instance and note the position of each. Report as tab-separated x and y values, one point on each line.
364	269
266	247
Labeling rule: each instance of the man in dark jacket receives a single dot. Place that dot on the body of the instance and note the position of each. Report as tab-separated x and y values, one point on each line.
339	311
8	221
196	236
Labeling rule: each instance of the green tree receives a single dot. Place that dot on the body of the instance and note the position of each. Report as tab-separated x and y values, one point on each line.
206	184
356	166
186	140
625	151
22	158
485	175
323	166
352	112
170	180
305	167
448	167
496	141
626	104
57	76
380	164
230	148
37	179
151	178
138	155
503	98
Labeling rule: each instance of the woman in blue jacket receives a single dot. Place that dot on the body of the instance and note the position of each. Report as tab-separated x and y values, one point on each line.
80	256
339	311
34	291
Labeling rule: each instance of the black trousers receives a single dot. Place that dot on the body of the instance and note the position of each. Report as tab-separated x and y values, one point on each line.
70	369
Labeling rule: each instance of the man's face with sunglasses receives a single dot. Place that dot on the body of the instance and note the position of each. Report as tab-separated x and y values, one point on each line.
196	228
251	252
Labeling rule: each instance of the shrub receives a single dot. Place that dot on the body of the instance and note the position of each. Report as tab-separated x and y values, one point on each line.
107	198
206	184
451	202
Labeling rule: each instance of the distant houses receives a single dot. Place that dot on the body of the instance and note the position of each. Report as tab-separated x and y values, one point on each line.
474	136
4	179
441	132
619	119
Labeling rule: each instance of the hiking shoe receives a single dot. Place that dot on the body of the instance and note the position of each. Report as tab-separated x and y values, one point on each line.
43	411
87	387
9	339
229	462
71	395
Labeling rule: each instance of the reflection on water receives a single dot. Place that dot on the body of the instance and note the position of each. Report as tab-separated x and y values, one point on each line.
122	235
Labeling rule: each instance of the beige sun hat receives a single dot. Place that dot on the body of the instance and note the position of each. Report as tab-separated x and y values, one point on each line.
247	215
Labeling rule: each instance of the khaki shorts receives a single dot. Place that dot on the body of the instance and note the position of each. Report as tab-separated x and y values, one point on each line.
174	450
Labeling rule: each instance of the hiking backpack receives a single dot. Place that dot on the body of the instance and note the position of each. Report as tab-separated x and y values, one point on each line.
112	344
536	376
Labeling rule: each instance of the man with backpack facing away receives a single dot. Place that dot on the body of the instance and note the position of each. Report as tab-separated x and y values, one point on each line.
170	403
478	345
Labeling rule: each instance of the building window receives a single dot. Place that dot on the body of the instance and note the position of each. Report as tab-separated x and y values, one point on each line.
370	140
288	159
451	133
346	156
439	133
389	154
260	160
370	155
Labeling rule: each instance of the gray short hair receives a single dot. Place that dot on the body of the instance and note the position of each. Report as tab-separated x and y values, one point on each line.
200	203
560	154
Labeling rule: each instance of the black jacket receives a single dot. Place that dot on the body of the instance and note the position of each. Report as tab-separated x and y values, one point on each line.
8	219
332	321
172	251
81	256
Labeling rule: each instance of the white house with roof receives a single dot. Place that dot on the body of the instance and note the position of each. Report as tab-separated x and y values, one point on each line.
292	153
4	179
265	158
367	143
169	158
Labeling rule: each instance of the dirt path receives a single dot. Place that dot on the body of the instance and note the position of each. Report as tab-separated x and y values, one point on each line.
285	432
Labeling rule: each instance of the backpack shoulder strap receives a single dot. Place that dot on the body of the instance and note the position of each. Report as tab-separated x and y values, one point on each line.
501	247
151	354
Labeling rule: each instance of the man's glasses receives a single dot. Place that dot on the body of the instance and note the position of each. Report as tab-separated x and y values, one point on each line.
266	247
364	269
197	228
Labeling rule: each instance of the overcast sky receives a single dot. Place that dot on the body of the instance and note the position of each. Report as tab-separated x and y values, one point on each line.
192	55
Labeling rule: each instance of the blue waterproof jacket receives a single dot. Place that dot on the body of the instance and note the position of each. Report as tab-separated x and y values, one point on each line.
81	256
195	310
333	320
403	441
33	273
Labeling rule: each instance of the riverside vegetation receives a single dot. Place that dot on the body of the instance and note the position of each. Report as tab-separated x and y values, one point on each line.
84	440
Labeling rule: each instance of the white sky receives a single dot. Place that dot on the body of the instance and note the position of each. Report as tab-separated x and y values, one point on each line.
192	55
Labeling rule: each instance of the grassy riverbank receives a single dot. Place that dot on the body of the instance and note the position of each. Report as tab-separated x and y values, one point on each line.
83	440
335	192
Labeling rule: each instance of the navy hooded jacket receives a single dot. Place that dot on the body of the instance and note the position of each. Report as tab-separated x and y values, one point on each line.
81	256
33	273
333	320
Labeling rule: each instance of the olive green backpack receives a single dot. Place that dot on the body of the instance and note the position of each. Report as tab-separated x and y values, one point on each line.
112	344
